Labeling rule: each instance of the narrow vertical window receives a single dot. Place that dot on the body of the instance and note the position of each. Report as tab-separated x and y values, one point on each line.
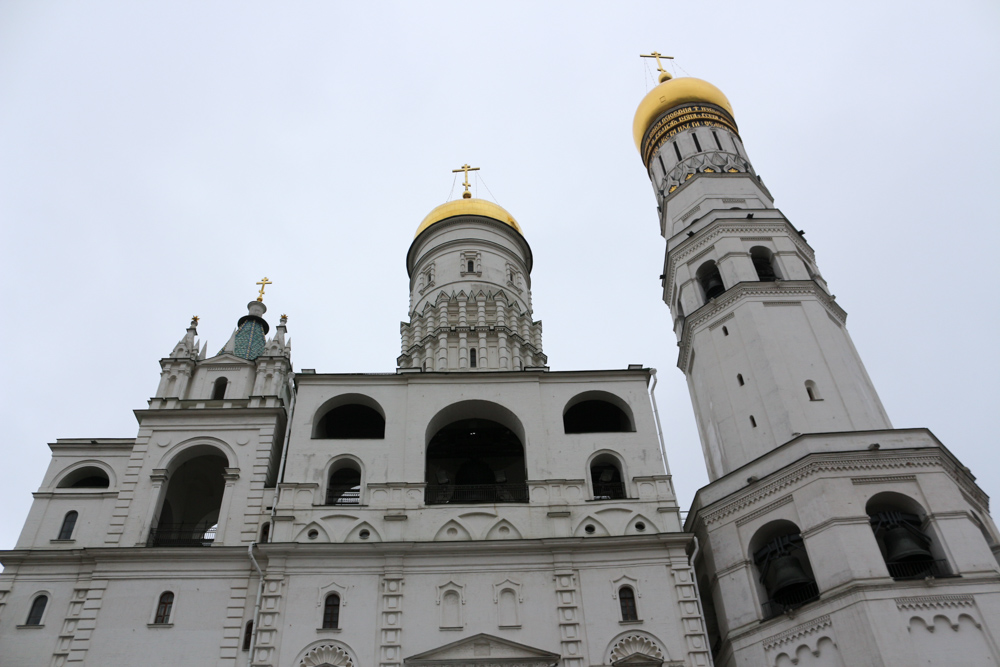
247	635
678	151
626	596
725	331
717	142
265	532
812	391
163	608
753	422
331	611
472	358
37	610
69	522
471	267
219	389
739	378
659	158
697	144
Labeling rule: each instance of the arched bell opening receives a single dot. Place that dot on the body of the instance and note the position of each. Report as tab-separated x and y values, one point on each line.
192	499
764	264
710	280
87	477
784	572
344	487
350	417
597	412
475	461
219	388
899	524
607	482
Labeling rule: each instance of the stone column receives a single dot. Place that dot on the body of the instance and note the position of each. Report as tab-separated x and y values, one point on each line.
231	476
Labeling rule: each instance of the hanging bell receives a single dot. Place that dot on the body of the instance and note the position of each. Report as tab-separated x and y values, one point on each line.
714	287
786	581
903	546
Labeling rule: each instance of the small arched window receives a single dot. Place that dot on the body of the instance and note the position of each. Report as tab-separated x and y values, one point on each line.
739	379
710	280
763	263
626	597
606	479
37	610
219	389
344	487
247	635
163	608
472	358
69	522
265	532
352	421
812	392
331	611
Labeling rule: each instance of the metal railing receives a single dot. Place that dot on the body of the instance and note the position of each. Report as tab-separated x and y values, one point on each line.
793	599
181	535
919	569
343	495
609	491
476	493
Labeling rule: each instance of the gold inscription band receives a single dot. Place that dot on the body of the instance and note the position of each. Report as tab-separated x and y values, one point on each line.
676	121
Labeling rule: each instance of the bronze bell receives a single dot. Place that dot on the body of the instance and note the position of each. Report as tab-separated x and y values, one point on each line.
903	546
785	579
714	287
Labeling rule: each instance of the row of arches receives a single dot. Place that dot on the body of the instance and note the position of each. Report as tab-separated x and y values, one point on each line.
710	281
899	526
360	417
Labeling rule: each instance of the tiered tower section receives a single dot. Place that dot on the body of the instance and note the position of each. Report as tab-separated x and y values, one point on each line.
470	293
762	341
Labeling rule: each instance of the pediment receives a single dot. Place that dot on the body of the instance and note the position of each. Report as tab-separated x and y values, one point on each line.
484	649
638	660
225	358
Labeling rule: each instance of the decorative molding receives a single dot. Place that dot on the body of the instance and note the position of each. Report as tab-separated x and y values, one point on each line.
773	304
797	632
690	213
747	518
935	602
726	200
633	644
717	323
883	479
327	654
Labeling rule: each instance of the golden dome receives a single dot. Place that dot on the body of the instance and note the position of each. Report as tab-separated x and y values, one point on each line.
671	93
470	206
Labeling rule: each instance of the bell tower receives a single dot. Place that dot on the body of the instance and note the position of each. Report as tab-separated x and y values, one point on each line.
826	536
761	340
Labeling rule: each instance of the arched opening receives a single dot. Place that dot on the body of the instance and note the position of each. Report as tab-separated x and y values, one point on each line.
163	608
193	497
37	611
247	635
812	391
344	487
357	418
898	524
475	461
606	478
710	279
597	412
331	611
783	568
89	477
626	598
265	532
763	263
68	524
451	610
219	389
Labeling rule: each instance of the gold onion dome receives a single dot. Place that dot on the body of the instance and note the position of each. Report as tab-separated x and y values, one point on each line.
673	93
468	206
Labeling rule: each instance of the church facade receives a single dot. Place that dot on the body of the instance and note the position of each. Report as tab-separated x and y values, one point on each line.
476	508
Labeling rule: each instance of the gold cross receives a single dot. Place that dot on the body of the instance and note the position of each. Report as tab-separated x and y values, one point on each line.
664	74
466	168
194	320
263	283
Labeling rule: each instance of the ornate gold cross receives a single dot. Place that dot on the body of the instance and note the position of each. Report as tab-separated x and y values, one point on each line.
263	283
194	320
657	55
466	168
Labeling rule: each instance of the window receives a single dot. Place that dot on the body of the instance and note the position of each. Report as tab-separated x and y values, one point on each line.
763	264
812	391
697	144
69	522
596	416
331	611
471	266
739	378
626	597
677	151
710	280
898	524
606	479
345	486
353	421
247	635
265	532
717	142
753	422
85	478
37	610
472	358
219	389
163	608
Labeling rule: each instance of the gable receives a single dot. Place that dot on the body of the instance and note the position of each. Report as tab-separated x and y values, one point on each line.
484	649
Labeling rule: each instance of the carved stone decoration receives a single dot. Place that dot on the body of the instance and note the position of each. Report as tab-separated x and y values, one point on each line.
327	654
632	644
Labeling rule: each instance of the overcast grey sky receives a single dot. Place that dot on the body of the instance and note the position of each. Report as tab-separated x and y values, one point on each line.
158	158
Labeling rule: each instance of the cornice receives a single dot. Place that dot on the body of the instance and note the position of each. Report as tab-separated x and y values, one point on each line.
745	290
798	631
424	239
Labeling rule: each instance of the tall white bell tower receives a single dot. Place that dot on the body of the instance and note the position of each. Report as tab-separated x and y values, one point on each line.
826	536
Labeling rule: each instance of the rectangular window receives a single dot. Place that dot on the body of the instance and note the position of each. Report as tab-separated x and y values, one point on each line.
697	144
678	151
717	142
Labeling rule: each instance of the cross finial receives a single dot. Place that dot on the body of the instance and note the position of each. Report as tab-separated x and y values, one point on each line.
466	168
664	74
263	283
194	320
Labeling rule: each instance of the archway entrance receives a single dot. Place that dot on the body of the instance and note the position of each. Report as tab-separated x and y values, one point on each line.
191	504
